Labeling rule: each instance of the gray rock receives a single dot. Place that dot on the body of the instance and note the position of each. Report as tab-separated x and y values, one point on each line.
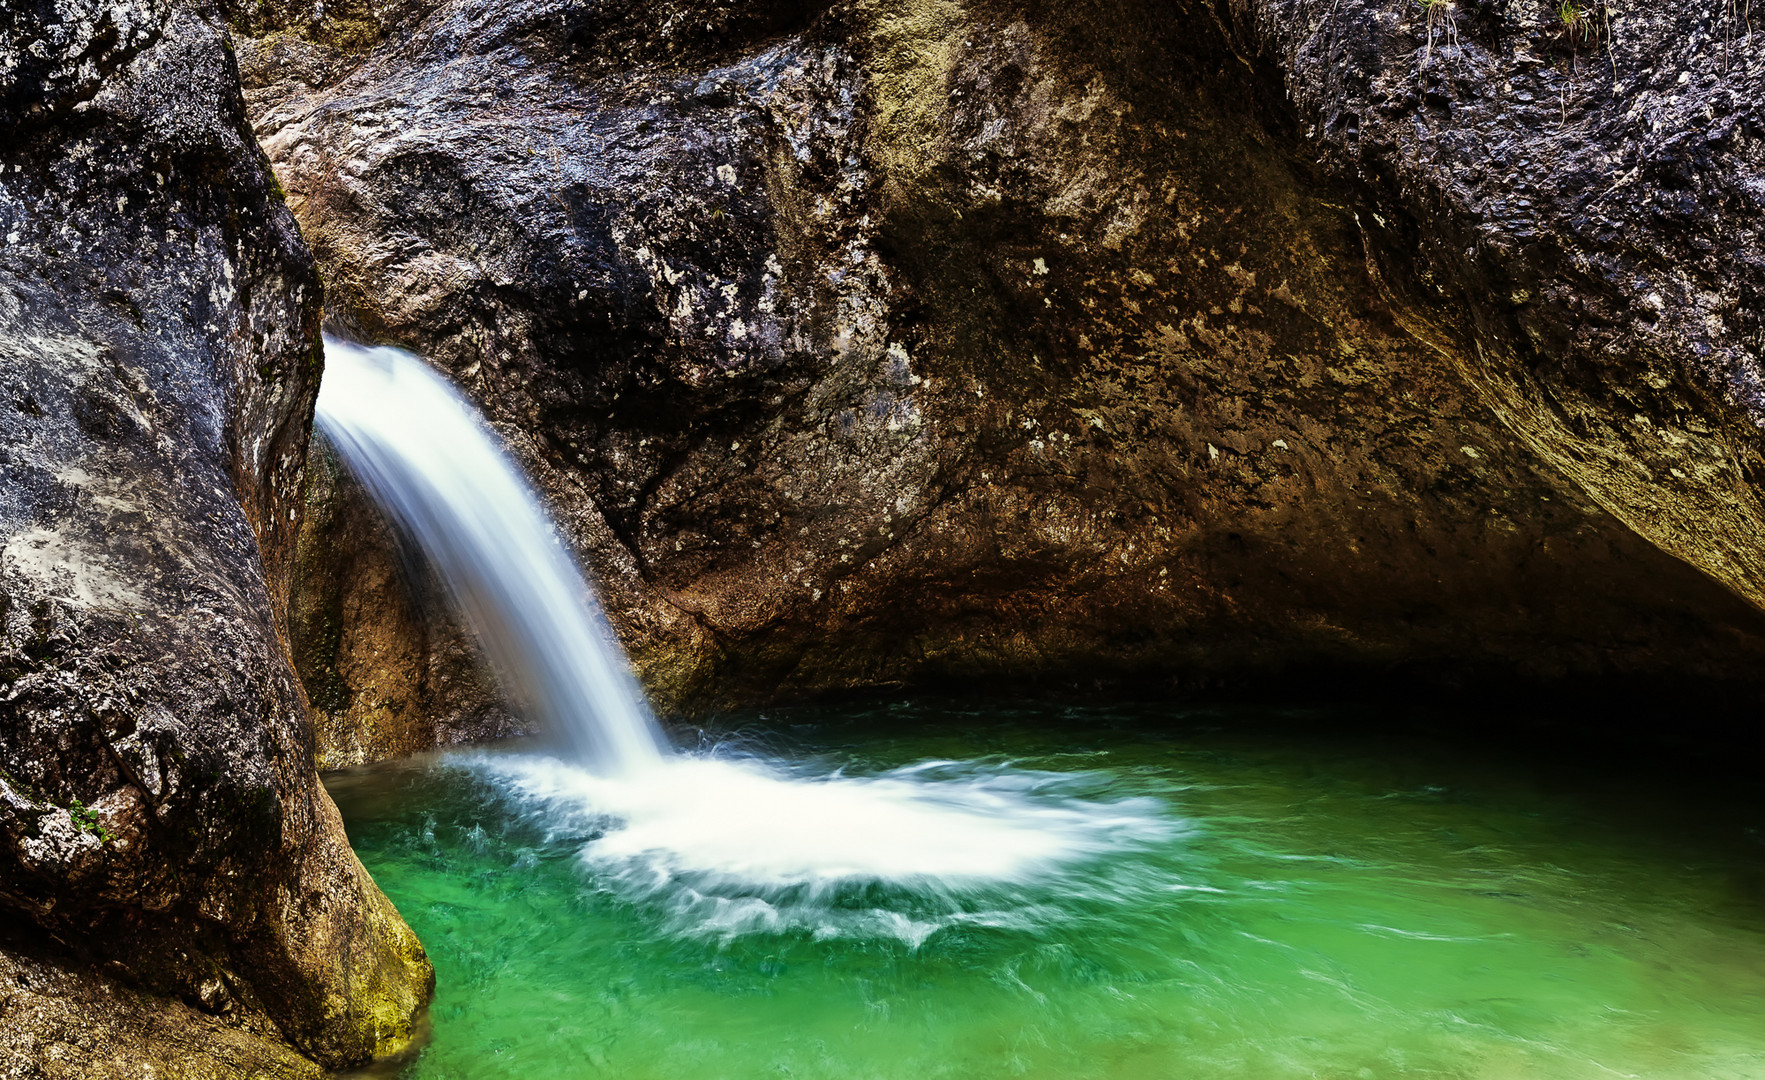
1574	217
165	846
957	341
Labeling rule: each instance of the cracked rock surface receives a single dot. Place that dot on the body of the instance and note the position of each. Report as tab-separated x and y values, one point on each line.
986	342
176	891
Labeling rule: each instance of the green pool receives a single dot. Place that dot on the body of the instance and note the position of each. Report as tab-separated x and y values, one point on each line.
925	891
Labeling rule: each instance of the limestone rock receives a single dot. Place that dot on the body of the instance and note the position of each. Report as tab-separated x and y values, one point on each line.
1574	216
175	885
56	1023
868	344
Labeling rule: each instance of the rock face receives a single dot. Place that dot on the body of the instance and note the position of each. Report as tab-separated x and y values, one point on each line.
176	891
1573	212
868	344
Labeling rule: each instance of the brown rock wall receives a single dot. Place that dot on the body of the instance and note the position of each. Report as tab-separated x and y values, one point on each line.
883	345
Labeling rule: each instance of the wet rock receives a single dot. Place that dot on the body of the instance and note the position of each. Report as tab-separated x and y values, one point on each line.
1022	343
176	891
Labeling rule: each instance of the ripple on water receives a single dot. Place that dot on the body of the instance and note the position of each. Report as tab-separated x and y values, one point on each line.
1099	907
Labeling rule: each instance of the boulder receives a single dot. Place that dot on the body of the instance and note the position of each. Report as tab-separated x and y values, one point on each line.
176	891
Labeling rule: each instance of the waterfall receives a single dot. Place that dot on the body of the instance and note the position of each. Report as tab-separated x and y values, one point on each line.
720	842
432	465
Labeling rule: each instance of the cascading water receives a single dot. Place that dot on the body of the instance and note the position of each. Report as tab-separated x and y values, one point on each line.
721	844
417	446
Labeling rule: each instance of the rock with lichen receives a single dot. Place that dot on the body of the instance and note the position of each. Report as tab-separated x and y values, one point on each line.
1020	343
176	891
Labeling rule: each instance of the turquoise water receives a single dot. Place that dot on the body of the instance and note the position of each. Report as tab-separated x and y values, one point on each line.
1072	893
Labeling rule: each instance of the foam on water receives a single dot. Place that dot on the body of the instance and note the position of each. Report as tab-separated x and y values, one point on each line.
1333	904
727	846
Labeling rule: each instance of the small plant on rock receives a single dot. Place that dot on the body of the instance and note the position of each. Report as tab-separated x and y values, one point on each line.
1578	23
86	821
1575	22
1439	17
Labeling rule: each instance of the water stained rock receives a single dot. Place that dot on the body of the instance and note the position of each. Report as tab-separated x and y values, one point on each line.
994	341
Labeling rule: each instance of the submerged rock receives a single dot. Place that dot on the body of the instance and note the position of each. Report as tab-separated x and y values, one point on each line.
176	891
870	344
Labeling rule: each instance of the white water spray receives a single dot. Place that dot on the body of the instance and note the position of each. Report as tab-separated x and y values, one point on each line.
429	462
722	845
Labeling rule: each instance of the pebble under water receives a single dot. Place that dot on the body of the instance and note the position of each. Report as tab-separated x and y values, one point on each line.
1098	892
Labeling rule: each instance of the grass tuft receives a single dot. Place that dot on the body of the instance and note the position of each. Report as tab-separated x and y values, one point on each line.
1440	17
